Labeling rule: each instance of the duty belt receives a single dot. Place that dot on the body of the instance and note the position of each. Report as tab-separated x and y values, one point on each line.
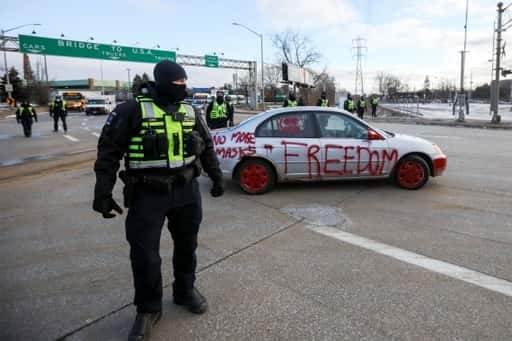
159	183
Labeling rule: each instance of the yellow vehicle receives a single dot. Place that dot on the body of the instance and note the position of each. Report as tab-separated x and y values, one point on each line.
74	100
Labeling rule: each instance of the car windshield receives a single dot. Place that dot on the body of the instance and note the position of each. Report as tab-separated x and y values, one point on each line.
96	101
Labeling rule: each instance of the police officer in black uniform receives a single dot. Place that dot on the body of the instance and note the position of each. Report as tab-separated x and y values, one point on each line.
58	110
219	113
164	143
25	115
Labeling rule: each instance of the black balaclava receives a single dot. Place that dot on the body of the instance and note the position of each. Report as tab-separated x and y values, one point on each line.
220	97
165	73
324	96
349	96
292	97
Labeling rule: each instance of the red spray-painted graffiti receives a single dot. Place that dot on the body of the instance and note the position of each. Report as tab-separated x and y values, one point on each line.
245	147
339	160
329	159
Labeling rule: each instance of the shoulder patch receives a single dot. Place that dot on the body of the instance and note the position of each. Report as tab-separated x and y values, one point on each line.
110	118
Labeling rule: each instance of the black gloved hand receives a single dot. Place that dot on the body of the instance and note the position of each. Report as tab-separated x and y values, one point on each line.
105	205
231	124
217	190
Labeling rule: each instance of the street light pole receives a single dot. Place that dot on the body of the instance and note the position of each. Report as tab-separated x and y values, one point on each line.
262	65
9	93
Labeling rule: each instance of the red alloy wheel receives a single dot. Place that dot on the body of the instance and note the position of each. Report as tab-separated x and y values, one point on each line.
411	174
254	178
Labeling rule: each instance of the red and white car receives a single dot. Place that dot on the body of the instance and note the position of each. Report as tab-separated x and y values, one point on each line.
314	143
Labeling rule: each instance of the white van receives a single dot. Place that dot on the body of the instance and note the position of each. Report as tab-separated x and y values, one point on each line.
100	105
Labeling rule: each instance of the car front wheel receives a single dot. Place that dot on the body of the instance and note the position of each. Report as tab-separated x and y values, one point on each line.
411	172
255	176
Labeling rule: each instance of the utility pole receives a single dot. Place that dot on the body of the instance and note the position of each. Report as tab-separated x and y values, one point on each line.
492	85
496	118
45	70
359	49
129	83
462	99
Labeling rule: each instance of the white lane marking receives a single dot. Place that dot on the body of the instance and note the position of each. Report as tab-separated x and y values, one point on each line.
95	134
458	272
83	123
86	128
71	138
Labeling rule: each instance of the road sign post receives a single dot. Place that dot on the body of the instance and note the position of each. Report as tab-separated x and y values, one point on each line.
88	49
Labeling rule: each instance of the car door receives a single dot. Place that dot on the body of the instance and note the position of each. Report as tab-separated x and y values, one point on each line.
350	148
289	141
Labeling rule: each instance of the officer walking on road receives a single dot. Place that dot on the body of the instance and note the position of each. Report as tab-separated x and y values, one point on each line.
164	144
291	101
323	101
349	104
375	103
361	107
25	115
219	113
58	110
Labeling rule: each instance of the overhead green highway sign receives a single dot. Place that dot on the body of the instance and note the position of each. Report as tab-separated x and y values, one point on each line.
90	49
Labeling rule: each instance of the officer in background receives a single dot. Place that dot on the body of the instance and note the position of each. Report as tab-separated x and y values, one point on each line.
361	107
219	113
323	101
164	144
375	103
58	110
291	101
25	115
349	104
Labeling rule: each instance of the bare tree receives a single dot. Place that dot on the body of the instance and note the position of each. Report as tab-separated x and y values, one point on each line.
390	84
272	74
294	48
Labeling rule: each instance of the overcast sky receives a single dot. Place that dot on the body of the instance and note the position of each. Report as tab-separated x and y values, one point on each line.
410	39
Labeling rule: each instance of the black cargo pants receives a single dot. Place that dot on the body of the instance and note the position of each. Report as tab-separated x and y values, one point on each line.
146	216
62	117
26	122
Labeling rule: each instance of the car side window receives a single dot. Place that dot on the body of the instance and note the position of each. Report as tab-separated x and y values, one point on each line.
334	125
294	125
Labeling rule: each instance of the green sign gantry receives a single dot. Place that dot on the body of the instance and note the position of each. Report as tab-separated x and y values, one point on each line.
211	61
90	49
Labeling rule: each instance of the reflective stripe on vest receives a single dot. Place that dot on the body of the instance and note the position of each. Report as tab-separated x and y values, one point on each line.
375	101
157	120
351	104
219	111
325	103
292	103
362	104
63	106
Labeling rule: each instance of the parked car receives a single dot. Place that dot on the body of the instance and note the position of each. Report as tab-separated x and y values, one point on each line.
312	144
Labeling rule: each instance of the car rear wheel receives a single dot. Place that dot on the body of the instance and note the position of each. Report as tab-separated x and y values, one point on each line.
411	172
255	176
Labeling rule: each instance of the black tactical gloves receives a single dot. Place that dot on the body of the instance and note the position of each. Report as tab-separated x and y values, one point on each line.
105	205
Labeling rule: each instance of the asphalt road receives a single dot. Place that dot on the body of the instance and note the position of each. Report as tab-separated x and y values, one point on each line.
325	261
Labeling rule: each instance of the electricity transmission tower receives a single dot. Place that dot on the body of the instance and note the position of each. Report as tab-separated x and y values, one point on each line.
358	51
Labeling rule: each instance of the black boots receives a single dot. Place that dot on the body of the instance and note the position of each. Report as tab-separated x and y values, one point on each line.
141	329
192	300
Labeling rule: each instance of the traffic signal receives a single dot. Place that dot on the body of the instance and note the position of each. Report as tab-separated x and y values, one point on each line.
505	72
284	71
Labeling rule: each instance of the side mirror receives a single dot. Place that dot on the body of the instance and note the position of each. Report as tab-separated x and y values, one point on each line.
373	135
